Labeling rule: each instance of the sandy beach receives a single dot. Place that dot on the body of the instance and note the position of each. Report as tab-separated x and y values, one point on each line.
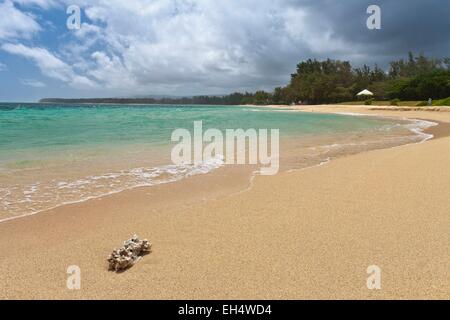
306	234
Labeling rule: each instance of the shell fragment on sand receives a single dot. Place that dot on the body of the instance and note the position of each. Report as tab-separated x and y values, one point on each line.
126	256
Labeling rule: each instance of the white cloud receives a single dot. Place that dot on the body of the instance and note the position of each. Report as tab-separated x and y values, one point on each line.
33	83
207	46
15	23
45	4
3	66
182	46
168	46
50	65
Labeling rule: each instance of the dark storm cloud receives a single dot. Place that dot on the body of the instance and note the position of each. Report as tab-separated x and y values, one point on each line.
420	26
407	25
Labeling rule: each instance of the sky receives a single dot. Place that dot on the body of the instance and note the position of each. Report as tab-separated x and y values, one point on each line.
138	48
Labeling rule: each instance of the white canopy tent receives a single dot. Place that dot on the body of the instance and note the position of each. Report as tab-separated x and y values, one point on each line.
365	92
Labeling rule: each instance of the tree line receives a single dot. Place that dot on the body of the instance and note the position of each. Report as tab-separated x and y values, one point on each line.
329	81
334	81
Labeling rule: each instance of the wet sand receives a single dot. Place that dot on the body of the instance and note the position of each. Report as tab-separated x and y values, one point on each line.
306	234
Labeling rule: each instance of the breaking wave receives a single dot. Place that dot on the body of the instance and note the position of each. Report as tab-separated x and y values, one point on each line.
20	201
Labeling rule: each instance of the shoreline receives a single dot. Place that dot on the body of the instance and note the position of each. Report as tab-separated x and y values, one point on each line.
413	113
430	130
200	245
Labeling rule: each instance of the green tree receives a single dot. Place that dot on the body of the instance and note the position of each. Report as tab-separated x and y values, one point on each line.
262	98
435	85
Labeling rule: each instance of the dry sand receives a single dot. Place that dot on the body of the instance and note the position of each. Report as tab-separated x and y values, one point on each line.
307	234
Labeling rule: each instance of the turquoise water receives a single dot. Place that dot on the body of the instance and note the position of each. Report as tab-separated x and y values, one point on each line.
52	127
56	154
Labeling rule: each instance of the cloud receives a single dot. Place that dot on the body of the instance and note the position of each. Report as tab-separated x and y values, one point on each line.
3	67
45	4
50	65
33	83
205	46
196	46
15	23
211	47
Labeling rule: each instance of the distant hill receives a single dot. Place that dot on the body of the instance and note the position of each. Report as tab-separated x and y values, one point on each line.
232	99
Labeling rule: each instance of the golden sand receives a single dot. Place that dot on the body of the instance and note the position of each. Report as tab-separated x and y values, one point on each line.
306	234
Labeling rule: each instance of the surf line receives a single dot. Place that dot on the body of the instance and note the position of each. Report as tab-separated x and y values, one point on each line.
235	144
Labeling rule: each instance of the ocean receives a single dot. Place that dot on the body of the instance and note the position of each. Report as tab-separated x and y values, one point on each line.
51	155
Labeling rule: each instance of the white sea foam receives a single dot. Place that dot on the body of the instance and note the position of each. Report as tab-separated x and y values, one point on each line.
419	126
416	126
19	201
27	200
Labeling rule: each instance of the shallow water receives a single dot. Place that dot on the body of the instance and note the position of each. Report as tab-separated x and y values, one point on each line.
57	154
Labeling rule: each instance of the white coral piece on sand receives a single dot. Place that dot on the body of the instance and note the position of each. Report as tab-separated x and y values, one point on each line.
125	257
